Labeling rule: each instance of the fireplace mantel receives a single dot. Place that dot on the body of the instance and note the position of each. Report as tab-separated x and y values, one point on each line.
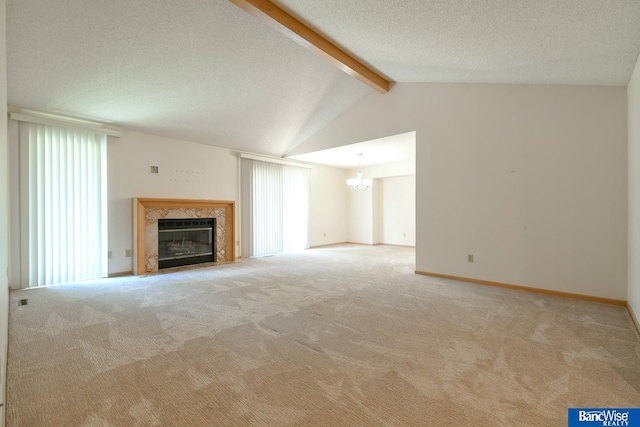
146	213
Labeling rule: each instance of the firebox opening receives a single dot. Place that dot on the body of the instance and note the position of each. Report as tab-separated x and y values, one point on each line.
186	241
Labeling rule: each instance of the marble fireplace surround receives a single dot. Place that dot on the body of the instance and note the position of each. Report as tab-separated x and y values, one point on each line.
146	213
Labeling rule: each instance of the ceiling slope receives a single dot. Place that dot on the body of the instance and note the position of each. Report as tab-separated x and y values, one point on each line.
200	71
305	36
207	71
577	42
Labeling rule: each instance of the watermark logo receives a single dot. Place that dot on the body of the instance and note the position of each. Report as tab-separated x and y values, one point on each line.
605	417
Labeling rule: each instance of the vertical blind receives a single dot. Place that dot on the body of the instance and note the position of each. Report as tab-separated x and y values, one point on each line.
274	207
64	192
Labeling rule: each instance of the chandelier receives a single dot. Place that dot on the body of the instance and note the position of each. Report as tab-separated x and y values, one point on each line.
359	183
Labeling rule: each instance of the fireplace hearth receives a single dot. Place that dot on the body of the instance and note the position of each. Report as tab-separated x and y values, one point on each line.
185	241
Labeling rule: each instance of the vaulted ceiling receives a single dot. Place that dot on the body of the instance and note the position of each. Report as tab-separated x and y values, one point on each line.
207	71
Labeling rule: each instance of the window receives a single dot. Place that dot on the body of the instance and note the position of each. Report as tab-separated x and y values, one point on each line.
63	202
274	207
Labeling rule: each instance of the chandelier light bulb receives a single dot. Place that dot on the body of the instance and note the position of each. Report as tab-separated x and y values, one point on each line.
359	183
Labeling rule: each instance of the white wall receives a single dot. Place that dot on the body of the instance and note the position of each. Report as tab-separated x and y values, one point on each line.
327	206
360	215
195	171
633	98
531	179
379	208
4	210
399	210
376	211
186	171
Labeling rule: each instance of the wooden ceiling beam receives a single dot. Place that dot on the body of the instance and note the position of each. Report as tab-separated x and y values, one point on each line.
302	34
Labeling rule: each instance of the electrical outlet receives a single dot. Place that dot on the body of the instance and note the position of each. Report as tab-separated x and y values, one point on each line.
404	234
325	234
110	254
154	169
127	253
469	258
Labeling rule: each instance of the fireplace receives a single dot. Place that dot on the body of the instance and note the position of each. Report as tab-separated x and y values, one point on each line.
148	212
185	241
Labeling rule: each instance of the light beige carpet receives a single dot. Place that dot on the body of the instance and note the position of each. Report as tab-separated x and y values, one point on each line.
344	335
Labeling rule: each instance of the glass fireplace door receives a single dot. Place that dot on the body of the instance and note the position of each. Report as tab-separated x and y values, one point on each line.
185	241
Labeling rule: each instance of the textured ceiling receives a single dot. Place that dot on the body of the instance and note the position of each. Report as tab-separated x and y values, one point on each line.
206	71
391	149
583	42
203	71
